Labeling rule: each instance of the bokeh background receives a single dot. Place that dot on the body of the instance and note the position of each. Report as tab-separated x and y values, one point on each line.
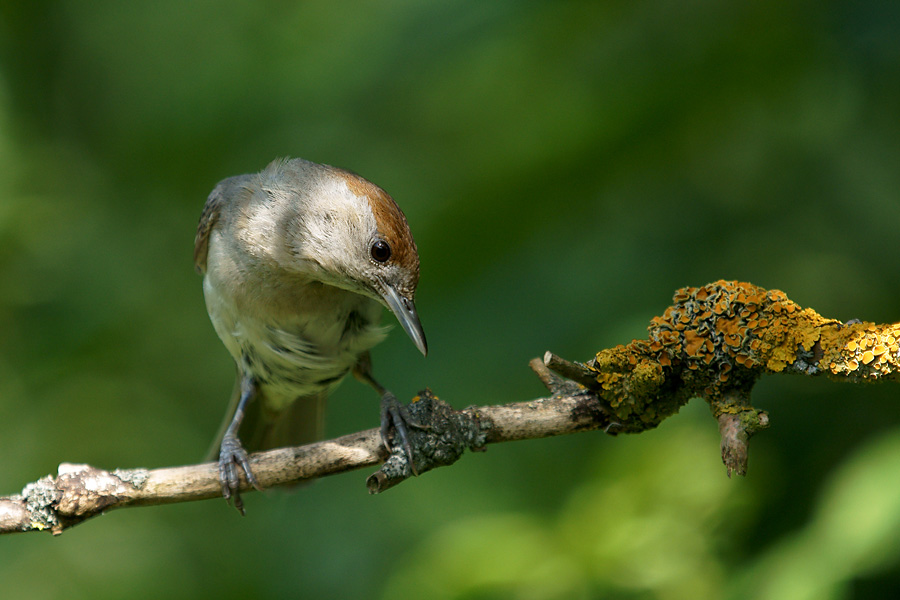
565	166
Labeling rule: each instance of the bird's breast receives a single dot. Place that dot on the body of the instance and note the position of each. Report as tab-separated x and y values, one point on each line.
303	343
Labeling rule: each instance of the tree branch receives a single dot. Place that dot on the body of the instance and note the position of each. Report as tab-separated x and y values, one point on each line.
714	342
79	492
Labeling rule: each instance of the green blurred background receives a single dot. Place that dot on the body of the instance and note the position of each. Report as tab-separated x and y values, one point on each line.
565	166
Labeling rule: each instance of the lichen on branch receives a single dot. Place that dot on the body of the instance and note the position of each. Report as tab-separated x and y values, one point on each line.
714	342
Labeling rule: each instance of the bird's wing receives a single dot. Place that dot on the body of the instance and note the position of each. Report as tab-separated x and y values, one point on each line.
223	193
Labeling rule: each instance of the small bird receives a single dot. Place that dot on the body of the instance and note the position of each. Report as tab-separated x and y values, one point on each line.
297	261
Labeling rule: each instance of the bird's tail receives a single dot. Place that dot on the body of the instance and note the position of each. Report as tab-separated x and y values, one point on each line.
302	422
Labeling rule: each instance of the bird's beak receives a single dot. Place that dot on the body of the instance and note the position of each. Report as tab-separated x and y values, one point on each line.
405	311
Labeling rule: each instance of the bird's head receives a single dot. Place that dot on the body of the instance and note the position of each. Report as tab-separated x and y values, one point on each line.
346	232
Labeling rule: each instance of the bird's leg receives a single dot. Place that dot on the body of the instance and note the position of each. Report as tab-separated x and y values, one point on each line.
232	454
393	412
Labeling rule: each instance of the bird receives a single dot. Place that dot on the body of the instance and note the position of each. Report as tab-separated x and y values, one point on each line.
297	262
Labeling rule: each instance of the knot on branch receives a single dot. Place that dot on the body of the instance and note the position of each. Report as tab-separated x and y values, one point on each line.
736	429
738	421
438	438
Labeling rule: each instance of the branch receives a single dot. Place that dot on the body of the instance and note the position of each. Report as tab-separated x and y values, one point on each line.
714	342
80	492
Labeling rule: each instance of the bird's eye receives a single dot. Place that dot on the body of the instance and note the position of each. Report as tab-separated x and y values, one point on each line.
381	252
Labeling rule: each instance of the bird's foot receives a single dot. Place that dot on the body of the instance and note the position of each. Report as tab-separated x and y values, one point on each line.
396	415
231	456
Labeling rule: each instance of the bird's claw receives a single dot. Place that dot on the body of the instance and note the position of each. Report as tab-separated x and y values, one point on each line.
396	415
231	456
